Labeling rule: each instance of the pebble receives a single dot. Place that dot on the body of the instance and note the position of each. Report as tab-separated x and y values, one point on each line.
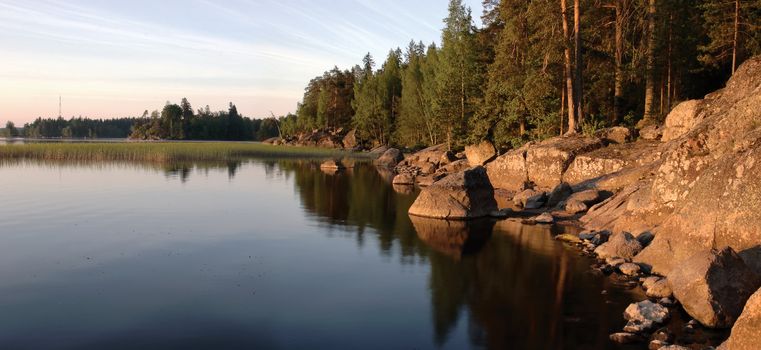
625	338
629	269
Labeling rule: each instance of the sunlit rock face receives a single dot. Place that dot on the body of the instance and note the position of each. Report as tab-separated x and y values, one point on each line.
464	195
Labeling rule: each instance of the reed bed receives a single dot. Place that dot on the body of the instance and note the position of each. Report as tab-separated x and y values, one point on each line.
160	151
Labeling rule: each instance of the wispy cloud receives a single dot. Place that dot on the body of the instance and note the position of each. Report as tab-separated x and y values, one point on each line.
146	51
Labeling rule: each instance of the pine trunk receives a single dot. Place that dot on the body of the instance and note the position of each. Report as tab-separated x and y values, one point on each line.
619	72
736	34
650	68
567	68
578	66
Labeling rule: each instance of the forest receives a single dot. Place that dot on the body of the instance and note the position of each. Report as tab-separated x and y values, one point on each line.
180	122
173	122
536	69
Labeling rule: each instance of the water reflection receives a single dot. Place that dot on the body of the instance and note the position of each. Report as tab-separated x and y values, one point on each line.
478	284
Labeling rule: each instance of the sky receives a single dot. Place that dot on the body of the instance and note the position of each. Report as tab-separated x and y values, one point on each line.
112	58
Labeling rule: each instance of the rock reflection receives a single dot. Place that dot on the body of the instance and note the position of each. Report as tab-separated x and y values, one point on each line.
453	238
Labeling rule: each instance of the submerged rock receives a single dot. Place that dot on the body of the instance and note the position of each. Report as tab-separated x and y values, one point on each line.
463	195
626	338
713	286
332	164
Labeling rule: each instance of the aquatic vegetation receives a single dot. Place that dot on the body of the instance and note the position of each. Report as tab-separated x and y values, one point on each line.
160	151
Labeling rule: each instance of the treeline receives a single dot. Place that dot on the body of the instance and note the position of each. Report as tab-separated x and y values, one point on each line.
535	69
180	122
77	128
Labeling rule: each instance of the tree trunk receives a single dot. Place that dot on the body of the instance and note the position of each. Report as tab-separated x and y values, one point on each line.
650	66
619	70
734	39
567	69
562	105
578	65
668	68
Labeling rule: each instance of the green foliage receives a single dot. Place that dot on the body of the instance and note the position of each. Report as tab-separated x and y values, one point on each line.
458	75
592	124
10	130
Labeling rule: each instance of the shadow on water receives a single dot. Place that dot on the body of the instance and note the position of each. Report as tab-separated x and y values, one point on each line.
519	288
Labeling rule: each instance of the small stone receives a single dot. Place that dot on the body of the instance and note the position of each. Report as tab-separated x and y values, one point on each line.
568	238
663	335
656	344
666	302
629	269
622	244
403	179
587	236
615	262
545	218
659	289
647	282
646	310
638	326
625	338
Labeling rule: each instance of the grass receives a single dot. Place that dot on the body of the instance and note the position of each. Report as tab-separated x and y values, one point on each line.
159	151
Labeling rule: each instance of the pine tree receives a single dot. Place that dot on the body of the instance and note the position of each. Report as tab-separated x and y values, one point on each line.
734	31
457	74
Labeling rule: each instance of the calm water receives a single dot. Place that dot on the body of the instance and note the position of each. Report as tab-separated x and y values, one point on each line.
267	254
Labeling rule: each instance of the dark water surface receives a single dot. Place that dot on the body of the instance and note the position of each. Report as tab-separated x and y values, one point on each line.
267	254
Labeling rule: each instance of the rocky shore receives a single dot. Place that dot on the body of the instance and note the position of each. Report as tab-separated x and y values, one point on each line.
674	208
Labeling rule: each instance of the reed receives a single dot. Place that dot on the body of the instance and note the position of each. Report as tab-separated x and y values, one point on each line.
160	151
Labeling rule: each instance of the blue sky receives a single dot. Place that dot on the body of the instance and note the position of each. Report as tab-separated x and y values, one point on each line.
118	58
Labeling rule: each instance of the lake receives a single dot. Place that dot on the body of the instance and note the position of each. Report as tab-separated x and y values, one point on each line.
276	254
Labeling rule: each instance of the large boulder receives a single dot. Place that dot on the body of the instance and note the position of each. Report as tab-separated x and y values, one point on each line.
619	245
559	193
462	195
547	161
713	286
705	190
682	119
350	140
746	333
481	153
609	160
716	205
425	161
616	134
509	170
390	158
